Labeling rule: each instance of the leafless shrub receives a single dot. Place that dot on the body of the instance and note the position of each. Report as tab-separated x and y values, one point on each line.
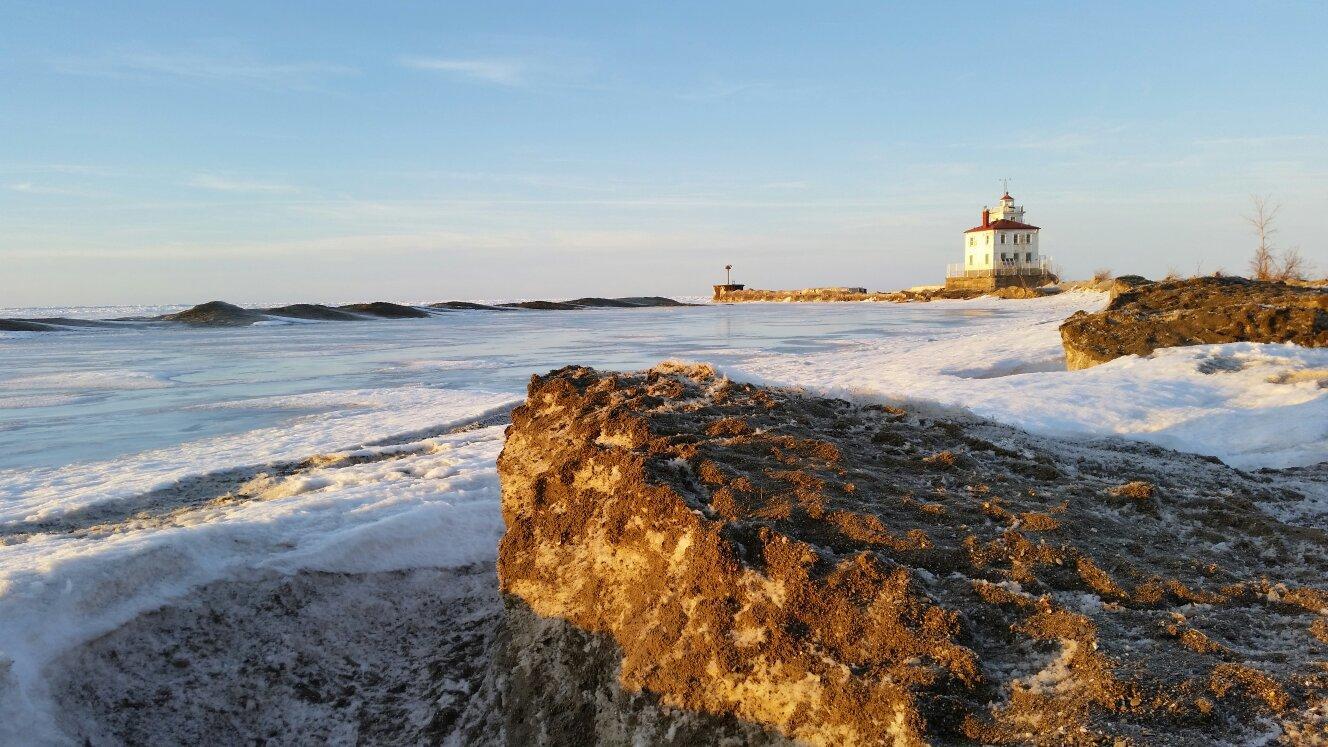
1292	265
1172	273
1102	275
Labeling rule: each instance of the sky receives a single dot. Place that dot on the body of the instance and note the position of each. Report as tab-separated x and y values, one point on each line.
328	151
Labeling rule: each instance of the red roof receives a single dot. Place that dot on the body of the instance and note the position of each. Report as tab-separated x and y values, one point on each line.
1002	223
1006	196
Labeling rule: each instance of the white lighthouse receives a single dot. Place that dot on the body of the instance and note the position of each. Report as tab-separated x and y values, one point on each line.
1000	251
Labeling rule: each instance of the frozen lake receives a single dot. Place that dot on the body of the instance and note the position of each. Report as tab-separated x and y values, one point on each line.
80	396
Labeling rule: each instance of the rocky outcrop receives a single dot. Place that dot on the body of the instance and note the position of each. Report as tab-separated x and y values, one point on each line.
1112	286
724	295
1018	292
839	574
822	295
1143	317
551	683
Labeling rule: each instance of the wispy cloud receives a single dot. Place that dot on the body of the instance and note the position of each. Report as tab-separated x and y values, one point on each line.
213	62
59	168
219	183
1076	138
719	90
28	188
503	72
1265	141
723	90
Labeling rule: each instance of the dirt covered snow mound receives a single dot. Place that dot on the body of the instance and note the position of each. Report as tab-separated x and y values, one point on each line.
215	314
841	574
1196	312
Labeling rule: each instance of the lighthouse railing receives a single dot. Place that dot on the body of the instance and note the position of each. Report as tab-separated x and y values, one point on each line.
1005	268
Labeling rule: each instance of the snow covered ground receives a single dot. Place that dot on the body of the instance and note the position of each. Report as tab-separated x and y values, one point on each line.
140	467
1251	405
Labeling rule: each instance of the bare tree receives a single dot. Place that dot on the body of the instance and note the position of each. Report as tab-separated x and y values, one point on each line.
1263	265
1292	266
1267	263
1172	273
1102	274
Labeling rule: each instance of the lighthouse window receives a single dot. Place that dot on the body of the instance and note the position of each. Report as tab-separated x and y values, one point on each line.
970	259
970	241
1002	238
1028	256
1028	237
1016	238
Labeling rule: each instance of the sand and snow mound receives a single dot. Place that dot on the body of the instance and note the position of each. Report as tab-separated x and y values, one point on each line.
1194	312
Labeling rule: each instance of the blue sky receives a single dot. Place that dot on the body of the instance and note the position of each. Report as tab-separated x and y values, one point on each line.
331	151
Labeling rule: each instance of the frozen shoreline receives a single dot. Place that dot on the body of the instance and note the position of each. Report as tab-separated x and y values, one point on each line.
368	479
79	575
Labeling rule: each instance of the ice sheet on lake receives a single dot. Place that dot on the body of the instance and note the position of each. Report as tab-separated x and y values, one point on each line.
344	419
87	381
